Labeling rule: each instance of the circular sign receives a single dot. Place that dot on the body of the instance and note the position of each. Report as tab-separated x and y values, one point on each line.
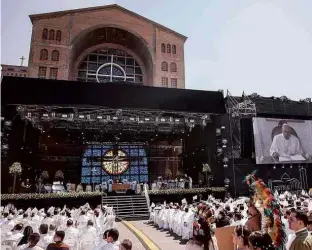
115	163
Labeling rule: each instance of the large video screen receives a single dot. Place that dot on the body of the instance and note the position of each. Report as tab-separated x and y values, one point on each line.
282	141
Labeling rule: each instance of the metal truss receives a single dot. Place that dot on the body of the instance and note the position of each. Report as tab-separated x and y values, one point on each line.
246	108
236	111
108	119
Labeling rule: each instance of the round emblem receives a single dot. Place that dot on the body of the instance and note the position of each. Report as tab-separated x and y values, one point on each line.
115	162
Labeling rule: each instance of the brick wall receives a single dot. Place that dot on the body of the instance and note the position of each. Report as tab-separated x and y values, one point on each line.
74	24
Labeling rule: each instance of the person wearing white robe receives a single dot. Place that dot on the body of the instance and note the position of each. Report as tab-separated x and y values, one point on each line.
165	218
285	144
187	226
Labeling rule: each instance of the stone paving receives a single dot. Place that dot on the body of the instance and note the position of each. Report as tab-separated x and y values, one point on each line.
163	239
125	233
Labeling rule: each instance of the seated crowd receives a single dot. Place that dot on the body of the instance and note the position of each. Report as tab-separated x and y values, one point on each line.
65	229
196	223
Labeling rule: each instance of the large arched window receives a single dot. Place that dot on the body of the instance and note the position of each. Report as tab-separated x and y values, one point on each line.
174	49
101	163
164	66
173	67
58	35
44	34
109	65
168	48
44	54
51	34
163	48
55	55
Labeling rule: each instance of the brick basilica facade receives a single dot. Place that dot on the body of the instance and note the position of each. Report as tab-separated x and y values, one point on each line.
104	44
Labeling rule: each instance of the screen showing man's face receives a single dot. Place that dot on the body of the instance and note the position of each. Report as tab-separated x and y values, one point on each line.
286	132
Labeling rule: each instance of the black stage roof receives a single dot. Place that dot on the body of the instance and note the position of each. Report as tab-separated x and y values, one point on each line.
121	95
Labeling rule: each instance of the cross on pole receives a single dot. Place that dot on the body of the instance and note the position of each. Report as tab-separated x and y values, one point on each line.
22	60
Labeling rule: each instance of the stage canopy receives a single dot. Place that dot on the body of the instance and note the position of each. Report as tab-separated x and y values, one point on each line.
121	95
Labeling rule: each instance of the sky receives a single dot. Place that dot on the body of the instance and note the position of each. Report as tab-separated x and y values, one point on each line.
255	46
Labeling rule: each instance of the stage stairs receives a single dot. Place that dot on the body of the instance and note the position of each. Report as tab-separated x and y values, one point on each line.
127	206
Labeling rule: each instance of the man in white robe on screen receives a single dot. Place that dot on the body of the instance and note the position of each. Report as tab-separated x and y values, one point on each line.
285	144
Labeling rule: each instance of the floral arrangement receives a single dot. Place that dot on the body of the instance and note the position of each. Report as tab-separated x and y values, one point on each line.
186	191
271	209
59	175
45	175
15	168
35	196
179	173
168	173
206	168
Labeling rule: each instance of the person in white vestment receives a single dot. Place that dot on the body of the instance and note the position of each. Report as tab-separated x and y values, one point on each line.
187	229
89	230
71	232
48	220
82	220
285	144
45	239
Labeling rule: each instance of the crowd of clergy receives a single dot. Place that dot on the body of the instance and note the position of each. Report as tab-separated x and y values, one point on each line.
60	229
196	223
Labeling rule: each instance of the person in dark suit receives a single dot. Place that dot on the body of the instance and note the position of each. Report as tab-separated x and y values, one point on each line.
298	222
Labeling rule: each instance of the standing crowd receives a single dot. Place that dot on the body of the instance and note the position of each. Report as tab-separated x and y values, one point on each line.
197	222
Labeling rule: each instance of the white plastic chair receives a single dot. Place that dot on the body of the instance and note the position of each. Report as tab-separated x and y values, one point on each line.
6	247
72	243
87	245
11	243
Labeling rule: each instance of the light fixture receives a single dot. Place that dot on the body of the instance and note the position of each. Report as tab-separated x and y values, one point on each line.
99	117
45	115
81	116
222	127
64	116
